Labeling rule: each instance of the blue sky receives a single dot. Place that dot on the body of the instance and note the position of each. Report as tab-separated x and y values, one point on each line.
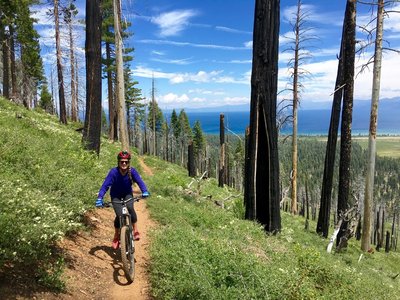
200	52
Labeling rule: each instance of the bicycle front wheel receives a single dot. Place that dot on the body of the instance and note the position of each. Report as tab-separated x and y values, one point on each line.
127	253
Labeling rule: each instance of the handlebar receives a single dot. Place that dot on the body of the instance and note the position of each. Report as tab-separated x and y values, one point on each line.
122	201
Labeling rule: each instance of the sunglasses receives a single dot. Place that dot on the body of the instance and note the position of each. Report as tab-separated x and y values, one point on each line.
124	162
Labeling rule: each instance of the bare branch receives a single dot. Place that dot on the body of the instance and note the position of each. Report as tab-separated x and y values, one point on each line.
340	87
391	49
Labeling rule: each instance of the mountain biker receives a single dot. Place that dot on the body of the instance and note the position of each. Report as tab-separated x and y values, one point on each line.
121	179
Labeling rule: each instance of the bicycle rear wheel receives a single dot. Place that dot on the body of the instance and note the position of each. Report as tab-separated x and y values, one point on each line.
127	253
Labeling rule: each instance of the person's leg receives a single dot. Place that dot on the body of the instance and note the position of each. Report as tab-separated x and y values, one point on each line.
132	211
118	213
116	228
136	234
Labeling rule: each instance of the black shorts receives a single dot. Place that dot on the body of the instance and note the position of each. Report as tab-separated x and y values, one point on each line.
118	210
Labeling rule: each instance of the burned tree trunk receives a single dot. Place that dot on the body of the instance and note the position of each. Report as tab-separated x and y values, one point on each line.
327	181
222	169
393	239
191	165
262	161
61	93
347	113
387	244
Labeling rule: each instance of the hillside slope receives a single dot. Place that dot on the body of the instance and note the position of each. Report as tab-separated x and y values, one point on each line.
198	250
48	183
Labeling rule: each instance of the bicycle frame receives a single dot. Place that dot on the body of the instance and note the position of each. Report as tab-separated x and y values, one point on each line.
125	218
127	241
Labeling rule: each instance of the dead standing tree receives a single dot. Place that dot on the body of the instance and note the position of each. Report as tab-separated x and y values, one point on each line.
120	88
297	46
61	93
222	168
347	114
70	13
327	181
369	180
343	89
262	161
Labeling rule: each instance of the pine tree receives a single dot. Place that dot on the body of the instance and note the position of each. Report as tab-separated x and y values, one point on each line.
46	101
133	99
159	118
185	135
27	39
176	129
199	144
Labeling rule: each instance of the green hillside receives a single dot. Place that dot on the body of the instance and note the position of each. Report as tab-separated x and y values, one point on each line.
199	250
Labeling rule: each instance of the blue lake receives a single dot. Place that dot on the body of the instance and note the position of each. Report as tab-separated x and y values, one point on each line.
310	122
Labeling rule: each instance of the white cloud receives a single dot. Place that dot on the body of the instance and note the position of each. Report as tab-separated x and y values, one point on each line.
175	100
160	53
237	61
231	30
182	61
199	77
184	44
47	36
248	45
174	22
198	100
392	22
320	85
206	92
236	100
313	14
389	79
39	12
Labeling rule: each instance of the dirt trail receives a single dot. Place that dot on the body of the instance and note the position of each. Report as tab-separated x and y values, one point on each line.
94	269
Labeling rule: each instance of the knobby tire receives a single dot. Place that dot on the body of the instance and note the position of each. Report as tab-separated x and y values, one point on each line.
127	253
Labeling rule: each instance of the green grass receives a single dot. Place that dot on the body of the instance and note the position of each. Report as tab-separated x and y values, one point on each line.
204	252
198	251
47	182
388	146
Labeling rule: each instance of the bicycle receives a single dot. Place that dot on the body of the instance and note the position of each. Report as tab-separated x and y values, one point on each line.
127	242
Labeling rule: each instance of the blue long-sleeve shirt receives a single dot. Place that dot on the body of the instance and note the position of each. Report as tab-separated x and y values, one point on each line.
120	184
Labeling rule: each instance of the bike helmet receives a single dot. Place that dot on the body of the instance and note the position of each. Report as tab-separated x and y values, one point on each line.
124	155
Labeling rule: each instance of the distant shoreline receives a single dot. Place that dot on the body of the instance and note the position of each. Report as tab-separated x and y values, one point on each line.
310	123
358	136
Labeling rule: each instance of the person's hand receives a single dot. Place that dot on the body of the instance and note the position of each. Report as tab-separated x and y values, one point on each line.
99	202
145	194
